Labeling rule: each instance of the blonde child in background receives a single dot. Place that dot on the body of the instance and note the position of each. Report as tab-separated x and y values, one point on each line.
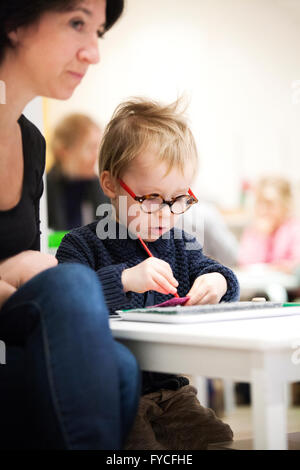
147	162
274	235
72	183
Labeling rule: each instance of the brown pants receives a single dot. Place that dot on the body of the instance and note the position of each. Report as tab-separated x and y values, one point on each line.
175	420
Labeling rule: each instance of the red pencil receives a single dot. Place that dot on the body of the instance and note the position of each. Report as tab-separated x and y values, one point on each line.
150	254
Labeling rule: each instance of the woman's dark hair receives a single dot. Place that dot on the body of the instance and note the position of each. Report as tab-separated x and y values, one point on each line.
17	13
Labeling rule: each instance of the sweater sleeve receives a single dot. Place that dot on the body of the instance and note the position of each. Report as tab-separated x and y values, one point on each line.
200	264
110	277
75	249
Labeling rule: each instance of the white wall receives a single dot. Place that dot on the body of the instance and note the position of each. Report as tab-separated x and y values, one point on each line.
34	112
237	61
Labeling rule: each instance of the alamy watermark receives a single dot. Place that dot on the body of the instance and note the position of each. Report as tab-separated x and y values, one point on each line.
296	92
296	354
132	224
2	92
2	352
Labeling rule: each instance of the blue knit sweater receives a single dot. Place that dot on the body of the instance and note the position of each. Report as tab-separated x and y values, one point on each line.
109	257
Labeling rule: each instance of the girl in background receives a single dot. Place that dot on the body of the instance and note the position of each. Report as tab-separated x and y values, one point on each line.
274	235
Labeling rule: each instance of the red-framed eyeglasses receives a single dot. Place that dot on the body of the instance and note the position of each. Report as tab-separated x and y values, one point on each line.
154	202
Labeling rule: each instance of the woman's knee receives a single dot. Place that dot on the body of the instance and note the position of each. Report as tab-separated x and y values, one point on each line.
74	280
71	292
73	277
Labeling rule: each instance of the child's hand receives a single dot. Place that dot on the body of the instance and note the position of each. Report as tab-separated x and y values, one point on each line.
151	274
207	289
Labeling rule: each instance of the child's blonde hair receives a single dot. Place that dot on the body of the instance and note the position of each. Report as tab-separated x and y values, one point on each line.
69	131
139	124
269	185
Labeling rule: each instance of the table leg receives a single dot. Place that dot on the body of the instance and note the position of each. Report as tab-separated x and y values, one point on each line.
277	293
201	385
269	411
229	396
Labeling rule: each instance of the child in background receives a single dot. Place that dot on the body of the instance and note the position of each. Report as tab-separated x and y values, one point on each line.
73	188
147	162
274	236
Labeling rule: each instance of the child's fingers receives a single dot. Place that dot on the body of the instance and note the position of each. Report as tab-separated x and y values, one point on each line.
210	298
166	271
162	285
196	296
160	263
203	298
157	266
198	291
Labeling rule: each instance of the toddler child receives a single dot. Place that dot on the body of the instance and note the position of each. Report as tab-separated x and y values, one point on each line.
148	159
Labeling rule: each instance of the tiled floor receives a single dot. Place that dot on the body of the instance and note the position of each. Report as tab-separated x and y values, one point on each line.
240	420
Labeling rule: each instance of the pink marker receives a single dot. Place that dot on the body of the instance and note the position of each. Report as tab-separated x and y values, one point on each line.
172	302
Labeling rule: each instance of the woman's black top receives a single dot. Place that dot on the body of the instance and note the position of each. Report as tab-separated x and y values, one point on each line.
20	226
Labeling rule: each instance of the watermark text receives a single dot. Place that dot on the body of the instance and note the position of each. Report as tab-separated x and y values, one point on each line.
296	92
132	222
296	354
2	352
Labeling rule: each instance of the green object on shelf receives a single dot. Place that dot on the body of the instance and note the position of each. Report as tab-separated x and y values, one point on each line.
291	304
55	238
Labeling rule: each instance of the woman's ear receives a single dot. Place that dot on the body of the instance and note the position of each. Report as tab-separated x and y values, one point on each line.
19	34
13	37
108	184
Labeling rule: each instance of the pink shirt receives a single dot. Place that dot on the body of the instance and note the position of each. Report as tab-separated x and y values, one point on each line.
282	245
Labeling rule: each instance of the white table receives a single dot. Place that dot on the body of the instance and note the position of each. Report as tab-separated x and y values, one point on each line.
261	278
264	352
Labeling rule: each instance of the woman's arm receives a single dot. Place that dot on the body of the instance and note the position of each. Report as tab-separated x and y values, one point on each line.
21	268
6	290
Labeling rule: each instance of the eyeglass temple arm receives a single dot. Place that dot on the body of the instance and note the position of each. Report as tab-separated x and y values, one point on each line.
124	186
192	194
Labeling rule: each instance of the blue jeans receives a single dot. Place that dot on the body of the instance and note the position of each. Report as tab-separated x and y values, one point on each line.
66	383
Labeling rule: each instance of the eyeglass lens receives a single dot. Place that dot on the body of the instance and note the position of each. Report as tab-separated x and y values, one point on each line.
179	206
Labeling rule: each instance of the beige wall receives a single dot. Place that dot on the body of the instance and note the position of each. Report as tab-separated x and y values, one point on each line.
238	61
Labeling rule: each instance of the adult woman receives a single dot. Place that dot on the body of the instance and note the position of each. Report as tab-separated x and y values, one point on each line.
66	382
